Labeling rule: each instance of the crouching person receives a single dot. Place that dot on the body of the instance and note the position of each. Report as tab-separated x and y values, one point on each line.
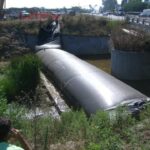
7	132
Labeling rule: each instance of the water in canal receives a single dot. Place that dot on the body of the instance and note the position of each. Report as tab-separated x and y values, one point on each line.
105	64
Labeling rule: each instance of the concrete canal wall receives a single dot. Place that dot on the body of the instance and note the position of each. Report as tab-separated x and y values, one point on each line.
31	40
130	65
85	45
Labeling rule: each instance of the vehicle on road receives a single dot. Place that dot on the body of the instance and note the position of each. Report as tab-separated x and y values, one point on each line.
106	13
145	13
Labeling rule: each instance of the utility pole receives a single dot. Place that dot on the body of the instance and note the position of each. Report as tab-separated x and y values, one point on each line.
2	6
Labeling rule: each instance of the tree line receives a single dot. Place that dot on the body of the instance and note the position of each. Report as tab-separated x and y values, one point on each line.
132	5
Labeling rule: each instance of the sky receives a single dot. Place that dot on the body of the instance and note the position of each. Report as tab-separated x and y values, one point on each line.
53	3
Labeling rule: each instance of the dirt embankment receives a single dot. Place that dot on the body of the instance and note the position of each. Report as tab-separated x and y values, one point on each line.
11	44
13	38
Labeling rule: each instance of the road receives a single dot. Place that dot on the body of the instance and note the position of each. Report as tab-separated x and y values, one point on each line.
112	17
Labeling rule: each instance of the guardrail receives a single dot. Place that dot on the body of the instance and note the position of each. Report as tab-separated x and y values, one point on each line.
133	13
138	20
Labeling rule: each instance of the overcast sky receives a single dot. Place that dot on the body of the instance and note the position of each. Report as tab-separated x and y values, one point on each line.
52	3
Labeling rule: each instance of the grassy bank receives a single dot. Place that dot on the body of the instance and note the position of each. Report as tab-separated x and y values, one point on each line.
88	25
98	132
73	129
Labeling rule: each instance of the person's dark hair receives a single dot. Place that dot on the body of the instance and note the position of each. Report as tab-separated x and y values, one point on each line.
5	127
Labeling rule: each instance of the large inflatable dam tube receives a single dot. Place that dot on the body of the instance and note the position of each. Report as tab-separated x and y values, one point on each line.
90	87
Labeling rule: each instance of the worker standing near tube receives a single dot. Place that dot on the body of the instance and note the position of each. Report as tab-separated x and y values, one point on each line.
6	132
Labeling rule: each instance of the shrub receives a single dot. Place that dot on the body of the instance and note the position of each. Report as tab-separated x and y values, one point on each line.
7	86
25	72
22	76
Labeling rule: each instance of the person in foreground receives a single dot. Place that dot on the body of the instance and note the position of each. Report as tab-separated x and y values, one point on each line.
6	132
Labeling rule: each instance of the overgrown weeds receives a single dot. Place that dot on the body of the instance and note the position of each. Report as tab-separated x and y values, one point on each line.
88	25
132	40
29	27
98	132
21	77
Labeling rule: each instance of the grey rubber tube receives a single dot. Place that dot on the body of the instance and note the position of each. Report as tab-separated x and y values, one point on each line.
83	83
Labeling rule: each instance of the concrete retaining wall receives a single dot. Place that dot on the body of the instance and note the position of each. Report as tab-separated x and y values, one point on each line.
31	40
130	65
85	45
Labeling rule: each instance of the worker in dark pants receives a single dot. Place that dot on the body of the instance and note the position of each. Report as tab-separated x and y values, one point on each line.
6	132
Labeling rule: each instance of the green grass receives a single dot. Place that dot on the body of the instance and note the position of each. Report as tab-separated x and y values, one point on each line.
98	132
22	76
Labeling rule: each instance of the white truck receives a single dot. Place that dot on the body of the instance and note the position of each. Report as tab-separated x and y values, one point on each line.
145	13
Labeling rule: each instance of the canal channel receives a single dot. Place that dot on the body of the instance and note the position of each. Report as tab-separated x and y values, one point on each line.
104	63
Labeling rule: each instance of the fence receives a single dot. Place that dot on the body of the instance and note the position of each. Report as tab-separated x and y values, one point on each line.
138	20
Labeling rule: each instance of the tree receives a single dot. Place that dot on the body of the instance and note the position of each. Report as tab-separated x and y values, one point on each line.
76	9
135	5
109	5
